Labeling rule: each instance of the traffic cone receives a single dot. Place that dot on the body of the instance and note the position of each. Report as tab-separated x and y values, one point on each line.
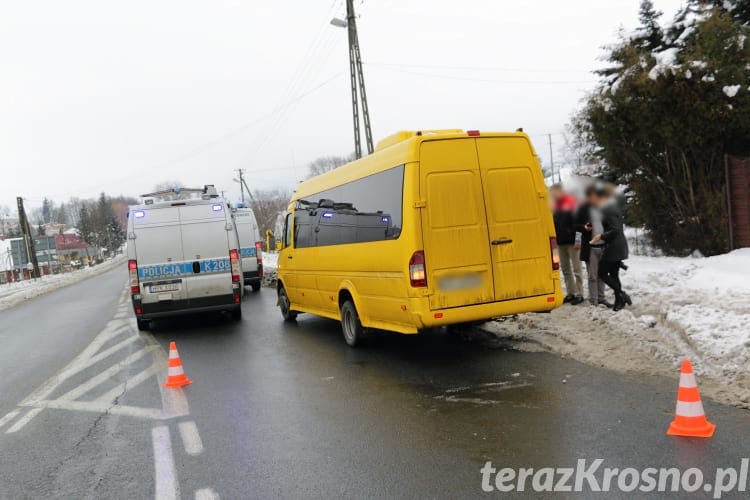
175	374
690	419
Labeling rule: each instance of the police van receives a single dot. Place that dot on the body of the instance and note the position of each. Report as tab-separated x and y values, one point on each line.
183	255
251	250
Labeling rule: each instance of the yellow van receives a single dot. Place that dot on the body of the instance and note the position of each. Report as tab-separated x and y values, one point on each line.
434	228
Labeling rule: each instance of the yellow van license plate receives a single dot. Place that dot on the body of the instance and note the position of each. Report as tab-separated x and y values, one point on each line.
171	287
451	283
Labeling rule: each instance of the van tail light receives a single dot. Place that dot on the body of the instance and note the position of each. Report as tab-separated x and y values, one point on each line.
417	270
234	262
555	254
133	273
259	257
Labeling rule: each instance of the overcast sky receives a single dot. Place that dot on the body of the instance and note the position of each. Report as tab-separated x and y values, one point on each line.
118	96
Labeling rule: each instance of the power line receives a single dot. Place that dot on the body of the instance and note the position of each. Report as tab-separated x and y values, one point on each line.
214	142
477	68
489	80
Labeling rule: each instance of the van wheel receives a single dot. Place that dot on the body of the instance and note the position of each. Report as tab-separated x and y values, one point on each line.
350	324
255	287
237	313
143	324
286	306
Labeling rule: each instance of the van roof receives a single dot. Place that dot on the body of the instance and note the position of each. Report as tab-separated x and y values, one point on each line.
178	203
397	149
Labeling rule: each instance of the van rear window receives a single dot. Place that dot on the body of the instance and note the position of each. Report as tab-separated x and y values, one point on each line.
367	209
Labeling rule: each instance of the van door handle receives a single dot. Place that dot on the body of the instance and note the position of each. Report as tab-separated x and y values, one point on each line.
503	241
288	256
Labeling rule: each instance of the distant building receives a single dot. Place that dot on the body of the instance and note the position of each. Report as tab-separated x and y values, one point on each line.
72	247
9	225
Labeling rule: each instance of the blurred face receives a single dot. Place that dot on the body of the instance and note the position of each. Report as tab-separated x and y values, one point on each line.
592	198
556	193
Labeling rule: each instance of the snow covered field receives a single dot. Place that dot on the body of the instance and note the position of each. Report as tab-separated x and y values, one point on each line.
19	291
697	308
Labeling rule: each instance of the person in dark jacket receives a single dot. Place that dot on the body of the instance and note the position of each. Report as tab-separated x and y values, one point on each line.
588	223
563	213
616	247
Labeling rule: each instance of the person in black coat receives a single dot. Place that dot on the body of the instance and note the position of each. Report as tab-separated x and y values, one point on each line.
615	249
588	220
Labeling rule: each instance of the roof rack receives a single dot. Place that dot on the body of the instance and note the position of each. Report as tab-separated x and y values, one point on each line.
177	193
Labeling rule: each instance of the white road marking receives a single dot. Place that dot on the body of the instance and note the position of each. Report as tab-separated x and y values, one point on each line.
191	440
165	476
174	402
206	494
8	417
23	420
100	407
103	376
140	377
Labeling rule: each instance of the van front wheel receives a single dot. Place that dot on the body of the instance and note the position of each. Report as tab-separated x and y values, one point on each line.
350	324
285	306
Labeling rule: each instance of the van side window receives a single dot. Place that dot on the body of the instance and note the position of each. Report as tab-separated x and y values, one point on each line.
367	209
287	231
303	229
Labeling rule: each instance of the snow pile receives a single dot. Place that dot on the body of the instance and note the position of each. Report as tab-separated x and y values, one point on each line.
269	260
14	293
697	308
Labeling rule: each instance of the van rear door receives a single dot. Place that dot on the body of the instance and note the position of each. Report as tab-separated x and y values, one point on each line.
158	250
519	237
205	243
454	227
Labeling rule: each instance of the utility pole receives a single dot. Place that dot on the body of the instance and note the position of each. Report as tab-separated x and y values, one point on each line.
356	76
27	238
551	159
243	186
240	173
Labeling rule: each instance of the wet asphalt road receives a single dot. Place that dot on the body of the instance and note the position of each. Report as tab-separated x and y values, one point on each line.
288	410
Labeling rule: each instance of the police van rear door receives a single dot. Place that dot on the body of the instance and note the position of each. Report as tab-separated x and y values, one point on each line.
158	251
205	243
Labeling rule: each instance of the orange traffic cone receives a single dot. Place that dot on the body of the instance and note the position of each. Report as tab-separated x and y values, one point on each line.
690	419
175	374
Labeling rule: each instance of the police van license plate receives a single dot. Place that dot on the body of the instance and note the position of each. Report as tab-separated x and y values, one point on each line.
169	287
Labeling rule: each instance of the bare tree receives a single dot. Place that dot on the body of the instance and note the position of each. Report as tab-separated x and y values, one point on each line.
327	163
166	186
267	205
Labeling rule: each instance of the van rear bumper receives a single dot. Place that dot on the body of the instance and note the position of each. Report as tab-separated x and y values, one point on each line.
425	318
250	277
155	310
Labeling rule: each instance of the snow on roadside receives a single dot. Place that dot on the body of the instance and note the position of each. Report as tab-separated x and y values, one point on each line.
270	259
12	294
683	307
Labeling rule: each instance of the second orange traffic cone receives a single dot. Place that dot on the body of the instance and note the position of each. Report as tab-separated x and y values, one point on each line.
690	419
175	374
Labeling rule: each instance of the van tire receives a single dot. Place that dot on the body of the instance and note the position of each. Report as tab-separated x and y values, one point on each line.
237	313
143	324
285	306
351	325
255	287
